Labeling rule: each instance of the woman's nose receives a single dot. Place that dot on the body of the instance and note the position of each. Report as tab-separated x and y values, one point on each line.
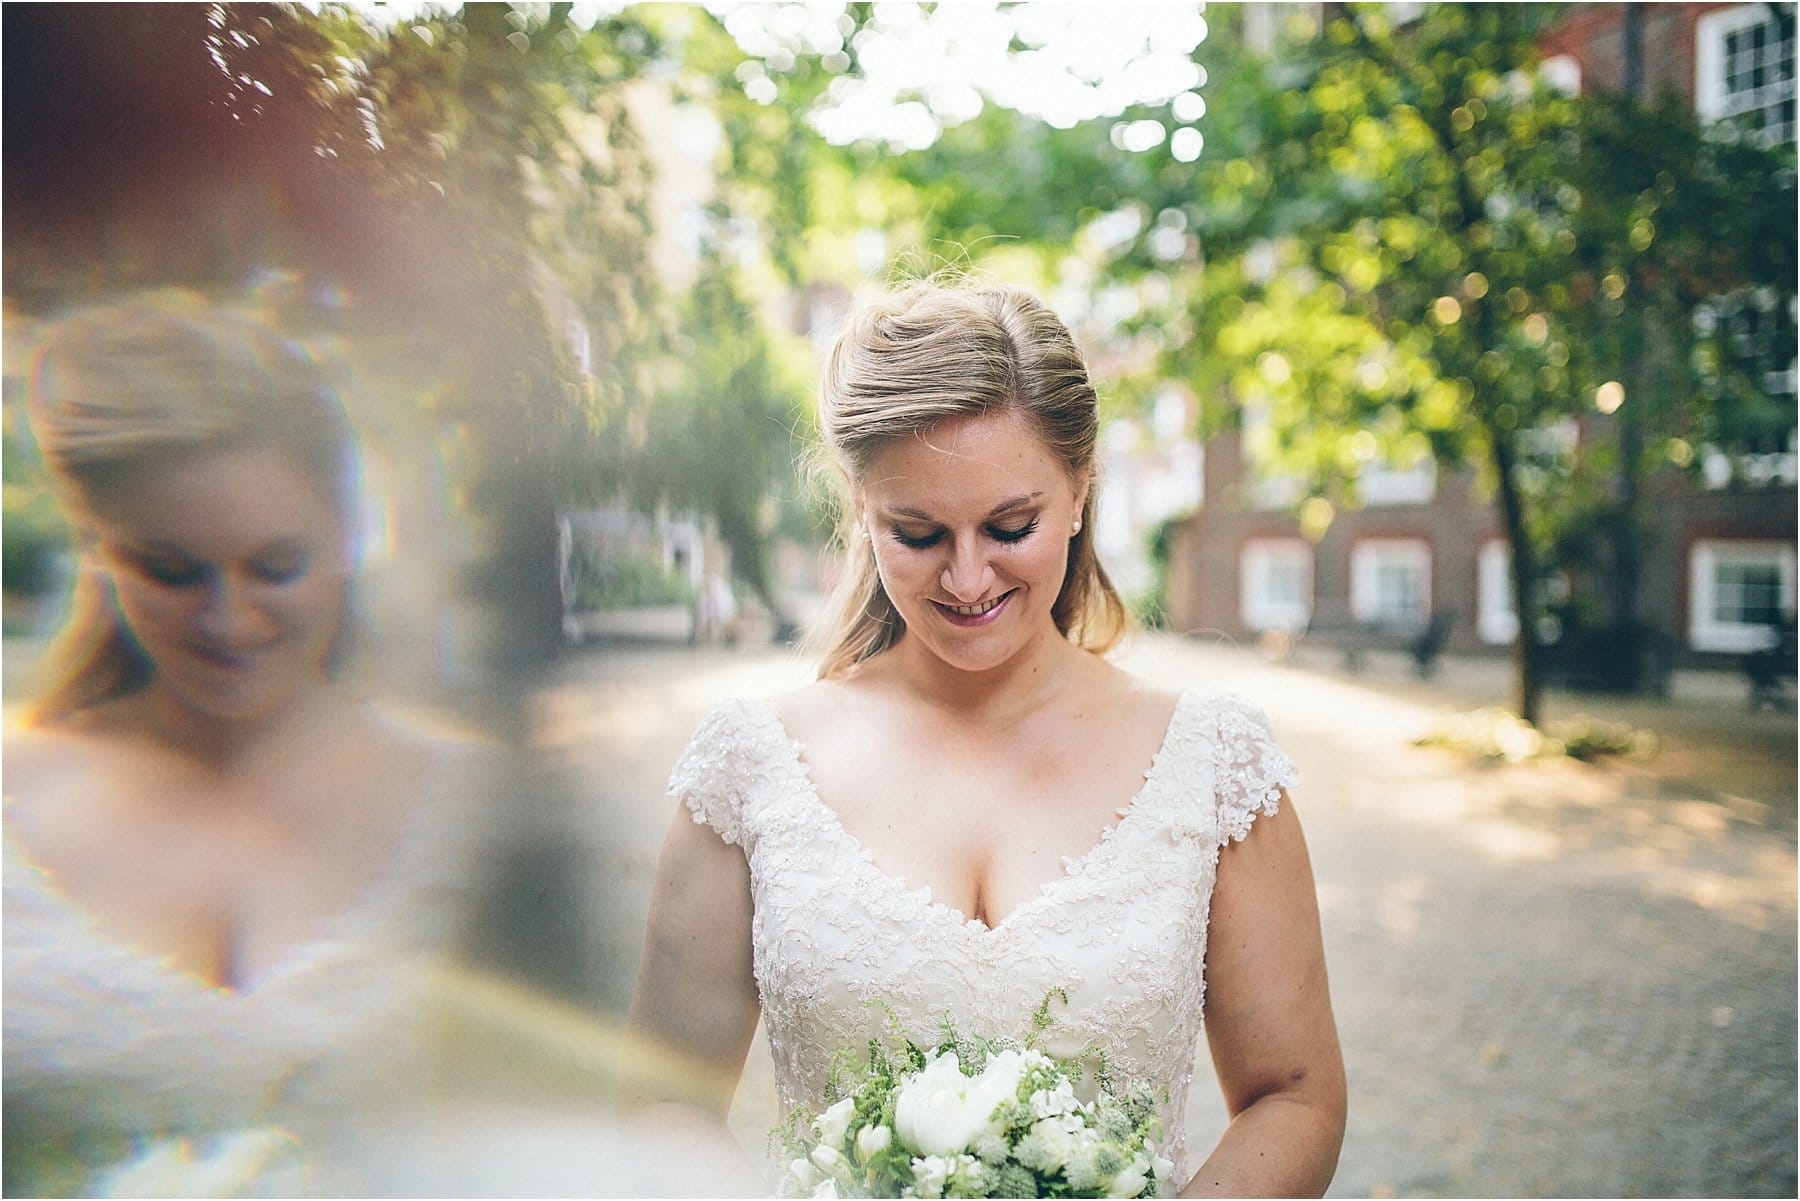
231	616
966	574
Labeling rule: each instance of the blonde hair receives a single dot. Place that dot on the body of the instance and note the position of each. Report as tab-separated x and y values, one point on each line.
127	387
919	357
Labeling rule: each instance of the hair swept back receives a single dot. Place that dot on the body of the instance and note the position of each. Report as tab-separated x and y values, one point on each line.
922	355
124	387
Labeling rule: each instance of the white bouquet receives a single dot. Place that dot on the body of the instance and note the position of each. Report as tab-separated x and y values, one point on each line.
971	1118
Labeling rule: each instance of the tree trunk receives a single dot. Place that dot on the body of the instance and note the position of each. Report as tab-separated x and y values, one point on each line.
1627	559
1524	568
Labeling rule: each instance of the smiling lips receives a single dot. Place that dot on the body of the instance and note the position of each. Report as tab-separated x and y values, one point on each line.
974	615
229	660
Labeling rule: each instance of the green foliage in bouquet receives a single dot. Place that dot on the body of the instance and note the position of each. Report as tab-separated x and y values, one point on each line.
971	1117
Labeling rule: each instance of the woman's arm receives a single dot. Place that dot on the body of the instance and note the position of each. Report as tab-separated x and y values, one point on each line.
695	1008
1268	1021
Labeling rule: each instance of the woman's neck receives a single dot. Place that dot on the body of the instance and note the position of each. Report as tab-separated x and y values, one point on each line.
218	744
1041	667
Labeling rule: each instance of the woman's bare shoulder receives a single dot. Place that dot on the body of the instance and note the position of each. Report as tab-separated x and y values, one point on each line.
38	756
1110	687
822	705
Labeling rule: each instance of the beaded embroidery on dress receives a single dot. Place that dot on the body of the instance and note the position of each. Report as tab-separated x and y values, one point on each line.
839	945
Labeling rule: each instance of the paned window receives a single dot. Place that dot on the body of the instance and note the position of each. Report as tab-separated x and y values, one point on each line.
1740	592
1275	583
1390	582
1495	619
1744	69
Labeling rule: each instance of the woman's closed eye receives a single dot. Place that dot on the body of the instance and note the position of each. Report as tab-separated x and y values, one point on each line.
999	533
171	572
284	569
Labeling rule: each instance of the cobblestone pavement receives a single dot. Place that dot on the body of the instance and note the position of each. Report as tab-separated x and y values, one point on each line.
1550	979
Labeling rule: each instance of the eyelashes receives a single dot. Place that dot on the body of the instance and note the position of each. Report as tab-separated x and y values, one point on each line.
178	573
997	533
1017	533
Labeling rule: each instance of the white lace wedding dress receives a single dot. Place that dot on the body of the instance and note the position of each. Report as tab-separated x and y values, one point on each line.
839	944
111	1053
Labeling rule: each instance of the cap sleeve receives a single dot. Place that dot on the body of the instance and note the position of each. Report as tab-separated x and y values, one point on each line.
1250	770
708	776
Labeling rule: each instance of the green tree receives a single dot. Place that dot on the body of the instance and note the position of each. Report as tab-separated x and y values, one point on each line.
1685	260
719	439
1415	285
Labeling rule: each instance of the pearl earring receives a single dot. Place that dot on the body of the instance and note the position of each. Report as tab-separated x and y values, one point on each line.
1075	528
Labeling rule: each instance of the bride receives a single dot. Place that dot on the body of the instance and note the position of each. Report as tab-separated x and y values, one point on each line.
972	808
217	859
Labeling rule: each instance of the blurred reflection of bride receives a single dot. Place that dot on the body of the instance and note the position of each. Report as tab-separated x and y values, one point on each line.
217	859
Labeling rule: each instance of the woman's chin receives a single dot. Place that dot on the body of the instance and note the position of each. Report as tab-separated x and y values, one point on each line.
237	702
975	651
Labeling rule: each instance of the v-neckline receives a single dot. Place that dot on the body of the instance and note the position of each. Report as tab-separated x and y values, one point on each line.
1073	867
333	930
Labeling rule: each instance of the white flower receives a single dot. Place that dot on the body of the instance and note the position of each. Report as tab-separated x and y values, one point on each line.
1131	1180
827	1159
929	1175
1047	1147
992	1148
1161	1166
803	1174
968	1177
834	1123
873	1140
940	1111
1046	1103
1080	1170
827	1188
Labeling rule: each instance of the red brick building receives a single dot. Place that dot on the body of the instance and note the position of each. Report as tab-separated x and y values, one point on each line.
1718	558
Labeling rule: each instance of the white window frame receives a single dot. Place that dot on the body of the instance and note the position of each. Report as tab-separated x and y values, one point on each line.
1711	100
1258	606
1367	558
1495	619
1705	631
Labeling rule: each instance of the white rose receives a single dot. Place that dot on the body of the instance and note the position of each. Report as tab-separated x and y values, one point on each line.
873	1140
941	1111
834	1123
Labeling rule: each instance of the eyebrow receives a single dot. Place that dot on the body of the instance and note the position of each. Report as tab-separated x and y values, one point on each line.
1004	507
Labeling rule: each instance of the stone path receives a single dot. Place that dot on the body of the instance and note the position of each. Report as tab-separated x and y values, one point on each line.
1549	978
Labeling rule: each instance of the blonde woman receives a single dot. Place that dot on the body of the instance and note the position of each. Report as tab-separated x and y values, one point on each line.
216	856
972	807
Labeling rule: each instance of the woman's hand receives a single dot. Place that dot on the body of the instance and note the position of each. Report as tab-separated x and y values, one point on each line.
1268	1021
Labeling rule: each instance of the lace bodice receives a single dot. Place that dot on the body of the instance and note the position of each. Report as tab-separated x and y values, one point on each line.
108	1048
1122	930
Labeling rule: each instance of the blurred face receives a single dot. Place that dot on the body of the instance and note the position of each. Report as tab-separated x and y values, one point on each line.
971	525
229	569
